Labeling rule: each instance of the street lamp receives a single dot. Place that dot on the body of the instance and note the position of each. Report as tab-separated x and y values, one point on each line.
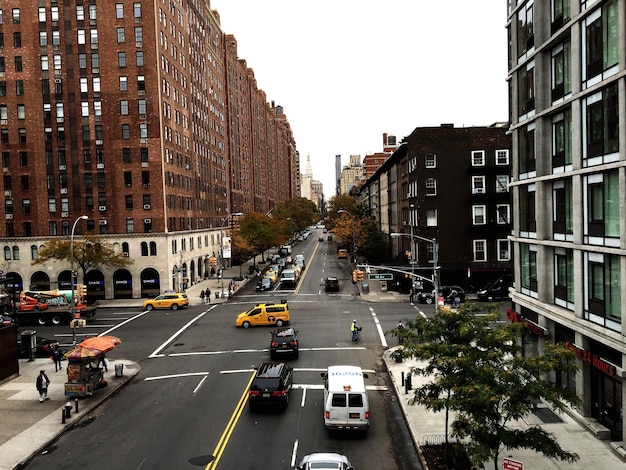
435	257
73	278
343	211
226	219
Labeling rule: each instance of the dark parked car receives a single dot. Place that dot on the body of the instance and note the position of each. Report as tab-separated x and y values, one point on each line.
284	342
43	348
271	385
496	290
6	320
331	284
450	294
264	284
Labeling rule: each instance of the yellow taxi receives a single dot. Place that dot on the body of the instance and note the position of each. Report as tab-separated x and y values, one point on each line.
264	314
172	301
271	275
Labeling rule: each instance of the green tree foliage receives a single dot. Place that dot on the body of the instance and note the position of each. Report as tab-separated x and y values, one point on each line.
90	252
295	214
373	246
478	372
261	231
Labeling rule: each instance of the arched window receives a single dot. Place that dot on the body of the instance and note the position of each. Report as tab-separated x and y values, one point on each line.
7	253
16	252
144	249
34	253
153	250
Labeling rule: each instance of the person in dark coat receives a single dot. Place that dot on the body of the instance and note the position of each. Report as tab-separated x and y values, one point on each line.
42	383
57	357
207	295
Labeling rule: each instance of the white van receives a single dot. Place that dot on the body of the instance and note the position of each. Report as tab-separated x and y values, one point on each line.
345	399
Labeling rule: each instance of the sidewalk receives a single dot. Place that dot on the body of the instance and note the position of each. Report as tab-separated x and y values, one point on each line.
428	427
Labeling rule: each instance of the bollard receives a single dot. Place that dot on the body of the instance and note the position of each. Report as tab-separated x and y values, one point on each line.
409	382
68	410
62	415
402	376
76	405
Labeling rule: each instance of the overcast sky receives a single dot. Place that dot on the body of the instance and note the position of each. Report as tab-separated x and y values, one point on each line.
347	71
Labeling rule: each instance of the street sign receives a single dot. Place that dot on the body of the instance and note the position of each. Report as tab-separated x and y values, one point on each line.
510	464
380	277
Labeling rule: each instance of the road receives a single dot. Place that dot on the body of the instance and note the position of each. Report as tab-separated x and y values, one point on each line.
187	406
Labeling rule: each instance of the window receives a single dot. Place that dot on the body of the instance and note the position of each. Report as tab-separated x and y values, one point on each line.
84	108
561	71
431	160
147	225
52	228
21	111
42	14
479	215
564	277
123	83
130	228
82	61
17	62
21	135
19	87
478	184
54	14
96	84
528	271
480	250
43	38
528	223
145	178
478	158
120	35
2	66
125	131
137	10
504	250
56	59
97	108
93	36
17	39
15	13
7	253
601	126
526	145
562	209
139	58
121	59
561	12
92	12
138	36
84	85
562	139
128	178
142	106
602	208
126	155
603	290
129	202
80	13
431	187
502	157
141	83
26	206
525	30
119	11
600	41
504	213
143	131
431	218
124	107
3	88
526	89
81	37
56	38
95	61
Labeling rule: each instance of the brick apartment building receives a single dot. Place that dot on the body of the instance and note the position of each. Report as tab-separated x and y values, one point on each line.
140	116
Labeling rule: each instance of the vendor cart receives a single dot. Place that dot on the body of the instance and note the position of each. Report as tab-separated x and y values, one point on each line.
83	374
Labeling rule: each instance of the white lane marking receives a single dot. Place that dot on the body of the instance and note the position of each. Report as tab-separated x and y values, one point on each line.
294	454
175	376
157	351
379	328
128	320
199	385
216	353
303	398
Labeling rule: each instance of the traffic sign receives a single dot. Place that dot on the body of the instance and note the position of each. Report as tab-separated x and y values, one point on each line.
380	277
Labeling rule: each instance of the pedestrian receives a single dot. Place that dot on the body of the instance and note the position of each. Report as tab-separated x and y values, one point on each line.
57	357
202	296
207	295
411	295
42	383
103	361
400	334
212	271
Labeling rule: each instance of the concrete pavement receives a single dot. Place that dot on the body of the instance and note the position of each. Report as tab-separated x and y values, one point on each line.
28	426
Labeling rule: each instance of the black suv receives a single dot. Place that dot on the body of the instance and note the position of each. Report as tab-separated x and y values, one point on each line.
331	284
284	342
271	385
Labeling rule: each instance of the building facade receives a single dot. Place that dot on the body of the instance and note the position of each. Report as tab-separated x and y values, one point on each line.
140	116
568	123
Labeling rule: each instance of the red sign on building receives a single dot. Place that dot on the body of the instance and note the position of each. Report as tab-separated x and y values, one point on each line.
510	464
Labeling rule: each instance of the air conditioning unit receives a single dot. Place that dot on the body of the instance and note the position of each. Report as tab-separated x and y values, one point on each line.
65	214
100	166
4	121
62	167
63	190
102	222
147	221
479	190
146	206
142	117
125	254
5	169
57	72
9	216
102	208
99	142
58	80
144	164
7	193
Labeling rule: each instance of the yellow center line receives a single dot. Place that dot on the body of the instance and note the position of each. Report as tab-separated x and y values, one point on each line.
230	427
295	292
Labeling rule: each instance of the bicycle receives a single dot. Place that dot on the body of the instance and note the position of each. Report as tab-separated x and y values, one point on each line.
356	334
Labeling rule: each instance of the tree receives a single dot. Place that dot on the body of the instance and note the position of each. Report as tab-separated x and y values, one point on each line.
260	231
90	251
479	373
300	212
374	246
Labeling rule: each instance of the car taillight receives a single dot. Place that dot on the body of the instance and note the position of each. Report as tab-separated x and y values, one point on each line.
254	393
367	415
328	415
279	393
274	344
294	343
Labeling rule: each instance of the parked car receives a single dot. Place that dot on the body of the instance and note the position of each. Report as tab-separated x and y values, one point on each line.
444	291
6	320
174	301
320	239
284	341
271	275
496	290
43	347
329	460
264	314
263	284
271	385
331	284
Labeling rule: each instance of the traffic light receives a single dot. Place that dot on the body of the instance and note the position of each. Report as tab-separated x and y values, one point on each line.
355	276
80	291
359	275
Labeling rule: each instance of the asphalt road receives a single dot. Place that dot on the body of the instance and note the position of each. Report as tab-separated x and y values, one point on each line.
187	408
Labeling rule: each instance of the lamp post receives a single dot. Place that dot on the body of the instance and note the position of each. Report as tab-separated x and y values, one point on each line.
433	241
343	211
73	278
412	244
226	219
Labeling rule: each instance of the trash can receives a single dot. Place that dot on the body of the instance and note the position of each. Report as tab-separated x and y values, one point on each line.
217	295
119	370
366	288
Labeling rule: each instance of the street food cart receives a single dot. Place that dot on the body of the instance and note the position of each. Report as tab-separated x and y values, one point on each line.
83	374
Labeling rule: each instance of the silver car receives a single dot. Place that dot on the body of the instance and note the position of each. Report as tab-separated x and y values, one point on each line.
325	460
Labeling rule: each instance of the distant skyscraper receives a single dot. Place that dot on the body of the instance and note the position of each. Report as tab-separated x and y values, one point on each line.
337	174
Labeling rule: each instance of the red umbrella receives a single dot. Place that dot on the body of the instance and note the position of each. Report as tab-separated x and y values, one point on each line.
101	343
83	354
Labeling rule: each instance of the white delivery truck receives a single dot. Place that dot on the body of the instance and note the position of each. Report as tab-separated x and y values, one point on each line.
345	399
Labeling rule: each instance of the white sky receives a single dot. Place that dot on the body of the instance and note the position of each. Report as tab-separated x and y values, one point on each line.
347	71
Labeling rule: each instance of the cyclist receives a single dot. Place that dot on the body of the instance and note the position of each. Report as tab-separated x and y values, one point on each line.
355	330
